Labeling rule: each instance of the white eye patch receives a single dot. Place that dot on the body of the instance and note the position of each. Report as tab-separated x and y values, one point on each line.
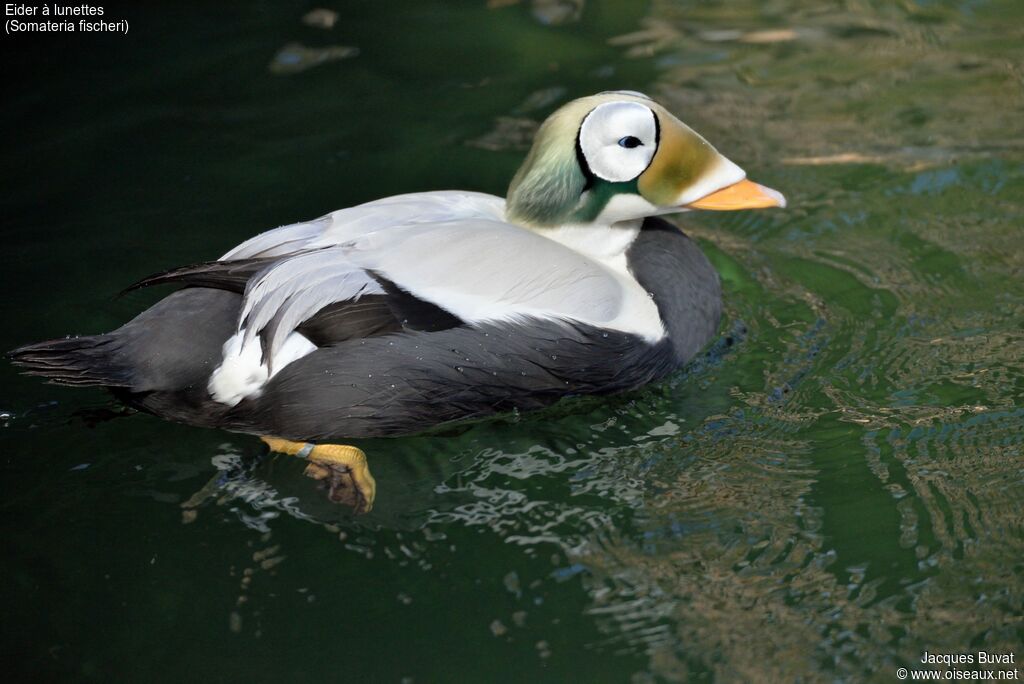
618	140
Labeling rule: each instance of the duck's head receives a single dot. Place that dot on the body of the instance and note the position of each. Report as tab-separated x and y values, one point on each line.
619	155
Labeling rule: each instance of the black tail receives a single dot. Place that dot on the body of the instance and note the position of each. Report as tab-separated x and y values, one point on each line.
92	360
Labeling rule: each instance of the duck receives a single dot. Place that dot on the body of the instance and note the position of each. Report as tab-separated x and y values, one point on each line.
406	313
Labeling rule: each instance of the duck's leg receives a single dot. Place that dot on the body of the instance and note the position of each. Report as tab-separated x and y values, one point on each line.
333	462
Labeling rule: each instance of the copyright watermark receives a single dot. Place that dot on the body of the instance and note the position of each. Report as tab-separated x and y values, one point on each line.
974	666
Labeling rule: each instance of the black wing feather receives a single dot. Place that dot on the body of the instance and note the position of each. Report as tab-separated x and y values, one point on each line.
370	316
219	275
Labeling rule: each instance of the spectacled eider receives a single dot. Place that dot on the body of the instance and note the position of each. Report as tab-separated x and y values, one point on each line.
397	315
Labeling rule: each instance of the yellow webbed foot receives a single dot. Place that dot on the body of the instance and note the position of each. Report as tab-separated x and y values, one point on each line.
342	467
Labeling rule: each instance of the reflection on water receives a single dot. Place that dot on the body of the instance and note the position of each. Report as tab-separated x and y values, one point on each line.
294	58
833	489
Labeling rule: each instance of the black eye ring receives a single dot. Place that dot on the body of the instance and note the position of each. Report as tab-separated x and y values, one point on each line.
629	142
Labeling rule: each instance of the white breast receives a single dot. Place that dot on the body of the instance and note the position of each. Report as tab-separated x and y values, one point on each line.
607	245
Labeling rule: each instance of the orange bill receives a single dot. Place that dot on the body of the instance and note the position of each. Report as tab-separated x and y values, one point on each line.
743	195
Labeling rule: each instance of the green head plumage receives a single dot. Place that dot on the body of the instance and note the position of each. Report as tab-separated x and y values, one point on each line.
620	155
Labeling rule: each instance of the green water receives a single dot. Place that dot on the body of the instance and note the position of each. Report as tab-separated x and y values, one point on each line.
836	491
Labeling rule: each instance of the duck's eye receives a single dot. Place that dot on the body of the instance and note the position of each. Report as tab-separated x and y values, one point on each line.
610	155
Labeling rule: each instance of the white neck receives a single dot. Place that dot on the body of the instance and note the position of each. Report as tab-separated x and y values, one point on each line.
604	243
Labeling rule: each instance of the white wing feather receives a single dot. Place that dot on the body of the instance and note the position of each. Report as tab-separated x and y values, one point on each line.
345	224
295	288
453	249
